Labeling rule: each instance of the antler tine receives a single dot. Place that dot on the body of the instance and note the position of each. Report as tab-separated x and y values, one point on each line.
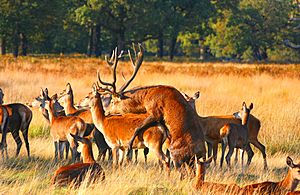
106	83
103	89
136	64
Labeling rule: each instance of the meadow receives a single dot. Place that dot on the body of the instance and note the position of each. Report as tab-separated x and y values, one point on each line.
274	89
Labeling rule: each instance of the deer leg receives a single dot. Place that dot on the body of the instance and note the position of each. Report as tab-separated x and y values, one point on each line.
228	156
4	130
215	152
25	136
224	145
16	136
146	152
250	153
67	144
209	149
236	156
61	149
262	149
136	152
56	146
150	121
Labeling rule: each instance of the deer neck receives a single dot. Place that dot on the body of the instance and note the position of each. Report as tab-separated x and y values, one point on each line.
245	120
289	182
69	104
87	155
98	114
52	114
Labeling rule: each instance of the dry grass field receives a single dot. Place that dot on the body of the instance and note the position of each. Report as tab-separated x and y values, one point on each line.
273	89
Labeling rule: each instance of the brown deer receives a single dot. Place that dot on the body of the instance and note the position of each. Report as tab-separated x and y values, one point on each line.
118	130
214	123
210	187
76	173
62	126
288	184
68	99
163	105
19	119
236	135
39	102
3	129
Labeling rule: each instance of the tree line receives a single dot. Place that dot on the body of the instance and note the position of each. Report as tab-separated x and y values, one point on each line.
246	30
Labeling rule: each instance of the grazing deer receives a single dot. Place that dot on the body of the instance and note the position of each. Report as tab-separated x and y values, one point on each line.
62	126
216	122
163	105
210	187
68	100
76	173
288	184
19	119
118	130
236	135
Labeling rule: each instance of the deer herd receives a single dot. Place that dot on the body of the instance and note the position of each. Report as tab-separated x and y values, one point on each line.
120	120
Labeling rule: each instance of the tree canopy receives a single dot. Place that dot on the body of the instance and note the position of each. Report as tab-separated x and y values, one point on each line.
246	30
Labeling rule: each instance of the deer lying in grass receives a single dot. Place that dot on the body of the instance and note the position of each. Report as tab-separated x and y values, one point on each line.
210	187
62	126
288	184
76	173
68	99
118	130
236	135
19	119
214	123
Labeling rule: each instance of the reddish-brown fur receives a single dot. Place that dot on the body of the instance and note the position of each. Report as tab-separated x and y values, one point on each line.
236	136
212	125
118	130
62	126
210	187
76	173
68	99
288	184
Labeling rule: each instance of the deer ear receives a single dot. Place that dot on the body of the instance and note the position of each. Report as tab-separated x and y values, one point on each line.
185	95
244	106
46	91
69	88
54	97
251	106
1	90
289	162
196	95
42	93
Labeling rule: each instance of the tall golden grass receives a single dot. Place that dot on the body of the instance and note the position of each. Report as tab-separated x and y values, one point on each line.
273	89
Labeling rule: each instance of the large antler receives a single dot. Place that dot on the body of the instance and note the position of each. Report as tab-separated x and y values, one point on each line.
112	63
136	65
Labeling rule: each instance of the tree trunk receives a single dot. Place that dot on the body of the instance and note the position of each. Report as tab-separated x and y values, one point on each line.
2	46
15	44
90	43
23	44
160	45
172	47
96	41
121	40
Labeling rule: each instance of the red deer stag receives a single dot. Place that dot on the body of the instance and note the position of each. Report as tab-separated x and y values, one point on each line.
62	126
76	173
19	119
214	123
163	105
288	184
236	135
68	99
